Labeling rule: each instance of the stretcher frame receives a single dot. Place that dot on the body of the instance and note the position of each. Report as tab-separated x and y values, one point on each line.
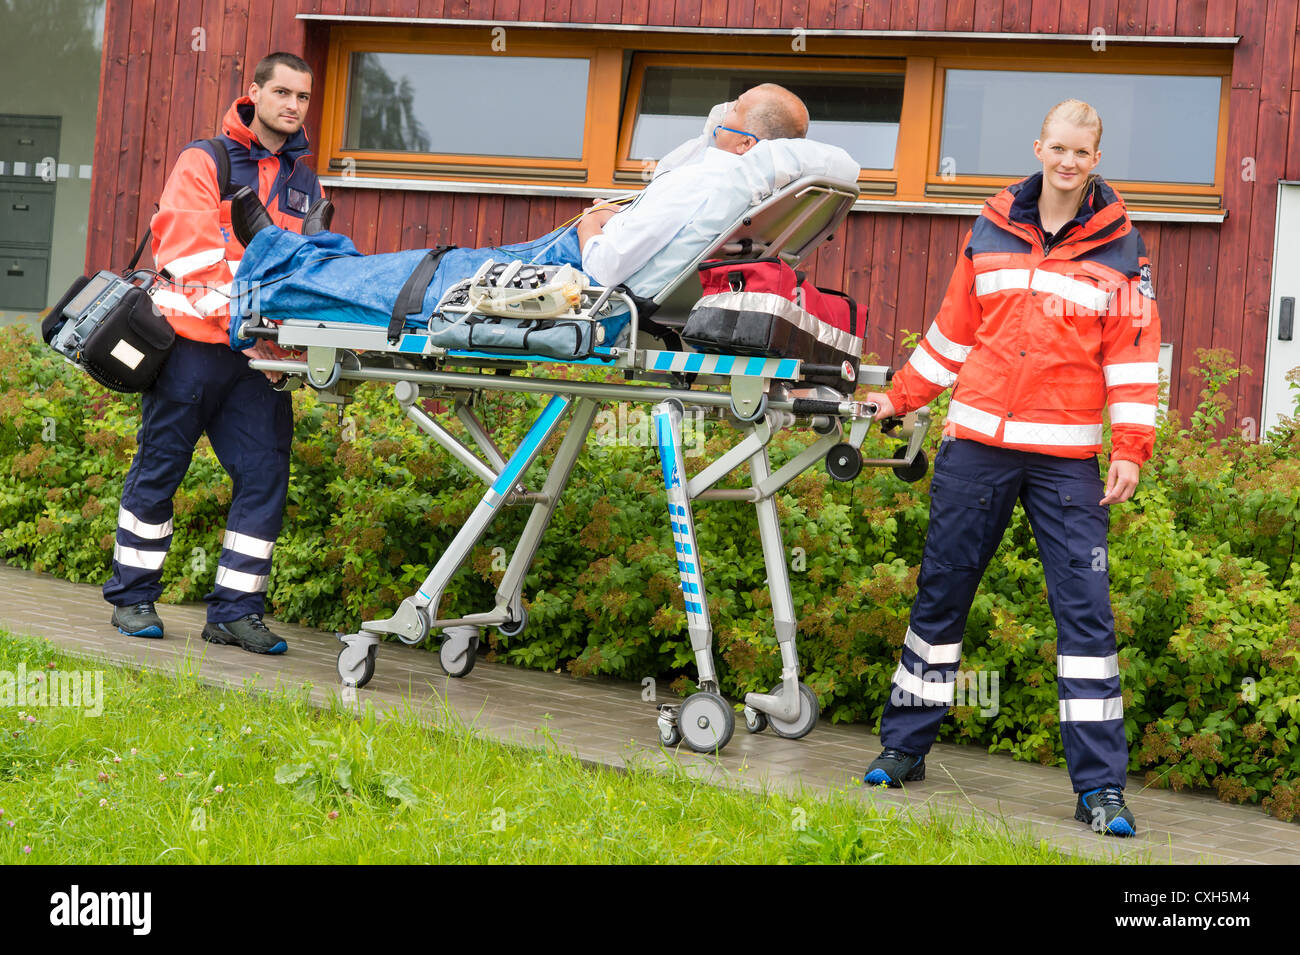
758	396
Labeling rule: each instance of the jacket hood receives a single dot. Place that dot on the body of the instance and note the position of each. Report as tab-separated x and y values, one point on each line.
236	125
1103	216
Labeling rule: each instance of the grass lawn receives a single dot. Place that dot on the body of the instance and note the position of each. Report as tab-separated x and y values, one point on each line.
174	771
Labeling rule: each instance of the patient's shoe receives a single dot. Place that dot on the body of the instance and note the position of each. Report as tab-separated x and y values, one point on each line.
247	215
318	217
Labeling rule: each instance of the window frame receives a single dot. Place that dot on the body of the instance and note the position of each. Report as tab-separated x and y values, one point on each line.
618	61
1184	195
408	165
875	181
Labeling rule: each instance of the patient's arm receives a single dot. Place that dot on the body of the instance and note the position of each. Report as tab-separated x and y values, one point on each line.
593	221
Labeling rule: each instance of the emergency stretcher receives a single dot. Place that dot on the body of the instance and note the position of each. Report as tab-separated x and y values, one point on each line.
758	396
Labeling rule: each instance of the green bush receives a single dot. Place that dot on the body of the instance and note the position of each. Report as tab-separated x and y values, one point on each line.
1204	572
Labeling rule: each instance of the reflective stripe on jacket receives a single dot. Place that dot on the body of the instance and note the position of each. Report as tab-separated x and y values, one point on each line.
1040	341
192	238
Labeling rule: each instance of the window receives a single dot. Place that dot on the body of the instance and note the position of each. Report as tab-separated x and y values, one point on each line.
1163	134
436	103
848	106
1156	128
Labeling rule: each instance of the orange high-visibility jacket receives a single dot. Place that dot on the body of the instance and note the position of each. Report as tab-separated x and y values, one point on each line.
192	239
1038	341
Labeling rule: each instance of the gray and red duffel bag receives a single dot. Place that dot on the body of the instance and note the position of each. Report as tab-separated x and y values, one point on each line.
764	307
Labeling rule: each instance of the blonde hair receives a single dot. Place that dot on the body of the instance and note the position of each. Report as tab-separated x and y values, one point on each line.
1075	112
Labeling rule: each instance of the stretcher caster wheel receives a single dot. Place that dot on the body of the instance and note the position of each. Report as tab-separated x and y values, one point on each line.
801	725
668	732
759	410
755	721
459	650
843	462
913	472
353	672
706	722
513	628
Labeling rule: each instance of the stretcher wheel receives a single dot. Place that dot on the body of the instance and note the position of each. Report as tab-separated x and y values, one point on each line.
759	410
755	720
513	628
802	724
843	462
911	472
357	676
706	722
669	735
459	650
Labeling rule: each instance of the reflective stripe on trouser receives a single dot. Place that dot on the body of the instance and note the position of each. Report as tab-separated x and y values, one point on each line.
973	492
206	388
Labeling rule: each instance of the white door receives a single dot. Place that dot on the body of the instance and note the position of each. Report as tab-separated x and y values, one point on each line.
1283	314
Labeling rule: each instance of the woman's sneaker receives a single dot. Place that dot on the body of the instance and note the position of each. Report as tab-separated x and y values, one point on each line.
138	620
1104	810
893	767
247	632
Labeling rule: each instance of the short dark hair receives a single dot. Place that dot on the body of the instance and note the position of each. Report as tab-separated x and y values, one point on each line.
266	66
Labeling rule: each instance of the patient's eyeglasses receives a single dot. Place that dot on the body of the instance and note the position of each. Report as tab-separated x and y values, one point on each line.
738	132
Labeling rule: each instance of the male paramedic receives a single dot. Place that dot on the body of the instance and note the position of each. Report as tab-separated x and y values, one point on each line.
749	148
205	387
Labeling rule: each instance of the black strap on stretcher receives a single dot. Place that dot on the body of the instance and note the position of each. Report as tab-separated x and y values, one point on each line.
411	297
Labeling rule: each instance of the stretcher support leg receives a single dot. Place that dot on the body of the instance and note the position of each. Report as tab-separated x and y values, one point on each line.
413	619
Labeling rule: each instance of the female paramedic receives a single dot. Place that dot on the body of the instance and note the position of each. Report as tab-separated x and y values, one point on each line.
1049	318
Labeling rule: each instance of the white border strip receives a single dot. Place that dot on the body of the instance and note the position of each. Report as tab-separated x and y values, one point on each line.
774	31
592	192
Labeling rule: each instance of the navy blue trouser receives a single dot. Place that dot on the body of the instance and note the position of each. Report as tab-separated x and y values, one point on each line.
206	388
974	490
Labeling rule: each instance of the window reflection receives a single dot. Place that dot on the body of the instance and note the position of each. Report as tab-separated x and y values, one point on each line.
467	105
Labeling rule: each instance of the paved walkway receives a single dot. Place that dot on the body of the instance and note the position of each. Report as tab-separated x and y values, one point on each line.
606	722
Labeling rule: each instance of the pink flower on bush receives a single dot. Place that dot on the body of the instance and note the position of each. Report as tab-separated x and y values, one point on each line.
27	850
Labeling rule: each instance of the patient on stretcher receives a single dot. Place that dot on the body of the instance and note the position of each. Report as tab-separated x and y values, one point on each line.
750	149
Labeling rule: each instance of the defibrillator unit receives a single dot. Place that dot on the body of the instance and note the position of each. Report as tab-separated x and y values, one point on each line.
108	326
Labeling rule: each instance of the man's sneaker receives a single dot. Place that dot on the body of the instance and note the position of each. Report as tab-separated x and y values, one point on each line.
247	632
893	767
1104	810
138	620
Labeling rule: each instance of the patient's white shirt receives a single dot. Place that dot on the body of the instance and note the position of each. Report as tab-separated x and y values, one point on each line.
684	209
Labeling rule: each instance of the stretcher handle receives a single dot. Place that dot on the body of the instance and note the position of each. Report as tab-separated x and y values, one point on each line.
815	406
248	330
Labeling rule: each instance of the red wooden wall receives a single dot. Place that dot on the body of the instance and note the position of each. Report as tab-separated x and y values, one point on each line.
158	91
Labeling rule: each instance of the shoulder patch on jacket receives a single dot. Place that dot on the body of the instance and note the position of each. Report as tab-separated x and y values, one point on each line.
1124	254
987	237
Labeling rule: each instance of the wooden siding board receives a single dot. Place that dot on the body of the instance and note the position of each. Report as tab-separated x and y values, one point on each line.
157	159
490	212
1293	145
942	260
1132	17
611	11
365	220
661	12
438	219
886	242
988	16
1044	16
767	13
1197	327
903	14
184	80
636	11
1270	150
930	15
415	220
687	13
388	225
1170	273
1104	14
821	14
959	15
857	266
126	196
557	11
1162	17
1220	18
582	11
507	11
108	131
1189	18
514	220
1074	18
207	105
1015	16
